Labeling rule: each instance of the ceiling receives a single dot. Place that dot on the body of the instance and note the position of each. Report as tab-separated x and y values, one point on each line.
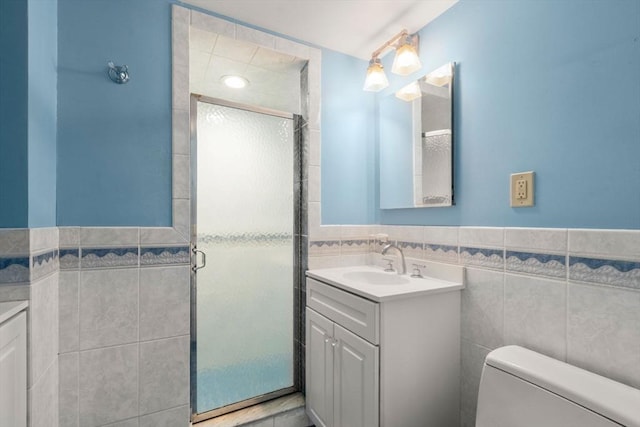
274	77
353	27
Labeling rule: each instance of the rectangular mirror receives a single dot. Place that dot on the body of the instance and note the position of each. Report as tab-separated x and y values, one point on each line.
416	143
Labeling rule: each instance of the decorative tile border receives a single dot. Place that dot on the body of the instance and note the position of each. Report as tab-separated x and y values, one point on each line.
109	257
411	249
44	258
69	259
44	264
376	244
536	263
446	253
354	246
164	255
605	271
623	273
324	247
483	257
14	269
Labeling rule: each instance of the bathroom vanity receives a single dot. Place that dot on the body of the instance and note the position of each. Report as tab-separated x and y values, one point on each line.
383	349
13	364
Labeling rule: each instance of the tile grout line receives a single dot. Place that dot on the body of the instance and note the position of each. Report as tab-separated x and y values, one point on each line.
138	330
79	281
566	314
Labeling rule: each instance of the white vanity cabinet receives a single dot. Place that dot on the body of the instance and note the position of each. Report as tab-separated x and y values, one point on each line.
388	363
342	375
13	364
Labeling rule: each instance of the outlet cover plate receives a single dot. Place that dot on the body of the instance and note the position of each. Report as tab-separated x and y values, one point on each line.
522	189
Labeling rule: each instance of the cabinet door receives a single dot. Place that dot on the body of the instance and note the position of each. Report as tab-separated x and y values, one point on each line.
356	381
319	369
13	372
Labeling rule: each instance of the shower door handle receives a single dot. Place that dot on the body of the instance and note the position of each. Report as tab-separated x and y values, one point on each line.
197	267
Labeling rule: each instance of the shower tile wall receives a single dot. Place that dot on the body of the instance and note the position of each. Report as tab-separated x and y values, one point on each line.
571	294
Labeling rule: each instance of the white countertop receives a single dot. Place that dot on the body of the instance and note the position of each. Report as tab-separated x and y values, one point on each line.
340	278
10	309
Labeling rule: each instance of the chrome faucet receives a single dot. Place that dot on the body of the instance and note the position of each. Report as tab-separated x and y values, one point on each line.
403	267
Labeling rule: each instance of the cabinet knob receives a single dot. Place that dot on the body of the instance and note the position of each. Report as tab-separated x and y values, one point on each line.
326	340
333	343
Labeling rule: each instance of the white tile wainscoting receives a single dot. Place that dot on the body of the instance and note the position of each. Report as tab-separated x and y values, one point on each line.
108	319
573	294
124	326
29	271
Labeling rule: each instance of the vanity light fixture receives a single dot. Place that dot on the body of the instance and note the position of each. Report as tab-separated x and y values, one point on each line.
405	62
409	92
234	82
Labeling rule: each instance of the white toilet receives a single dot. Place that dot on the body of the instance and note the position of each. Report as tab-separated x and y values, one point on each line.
522	388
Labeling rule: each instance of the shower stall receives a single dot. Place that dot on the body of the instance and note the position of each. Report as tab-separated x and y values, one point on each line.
245	237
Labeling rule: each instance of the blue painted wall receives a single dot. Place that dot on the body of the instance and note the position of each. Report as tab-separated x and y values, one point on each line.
553	89
42	108
114	141
13	114
28	100
550	88
348	142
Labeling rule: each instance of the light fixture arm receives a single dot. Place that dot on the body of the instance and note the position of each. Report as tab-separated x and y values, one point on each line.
405	62
401	35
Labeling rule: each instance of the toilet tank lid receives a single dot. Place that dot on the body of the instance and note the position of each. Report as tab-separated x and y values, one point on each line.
609	398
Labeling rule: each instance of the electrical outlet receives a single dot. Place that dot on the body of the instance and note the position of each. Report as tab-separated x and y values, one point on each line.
522	189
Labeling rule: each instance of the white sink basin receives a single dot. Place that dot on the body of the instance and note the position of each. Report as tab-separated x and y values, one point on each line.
376	278
377	285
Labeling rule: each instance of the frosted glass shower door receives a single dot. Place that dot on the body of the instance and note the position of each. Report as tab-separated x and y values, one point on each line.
244	225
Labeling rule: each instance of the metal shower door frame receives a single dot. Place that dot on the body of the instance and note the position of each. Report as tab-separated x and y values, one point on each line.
193	125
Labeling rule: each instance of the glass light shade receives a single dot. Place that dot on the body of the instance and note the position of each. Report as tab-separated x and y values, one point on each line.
440	77
406	60
376	78
410	92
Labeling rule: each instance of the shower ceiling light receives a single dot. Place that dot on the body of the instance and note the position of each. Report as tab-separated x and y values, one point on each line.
235	82
376	78
405	62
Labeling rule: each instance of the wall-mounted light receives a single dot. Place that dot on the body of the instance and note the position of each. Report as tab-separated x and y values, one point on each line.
405	62
376	78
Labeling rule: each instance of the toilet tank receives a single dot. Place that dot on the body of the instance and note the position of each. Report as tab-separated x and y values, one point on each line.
522	388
